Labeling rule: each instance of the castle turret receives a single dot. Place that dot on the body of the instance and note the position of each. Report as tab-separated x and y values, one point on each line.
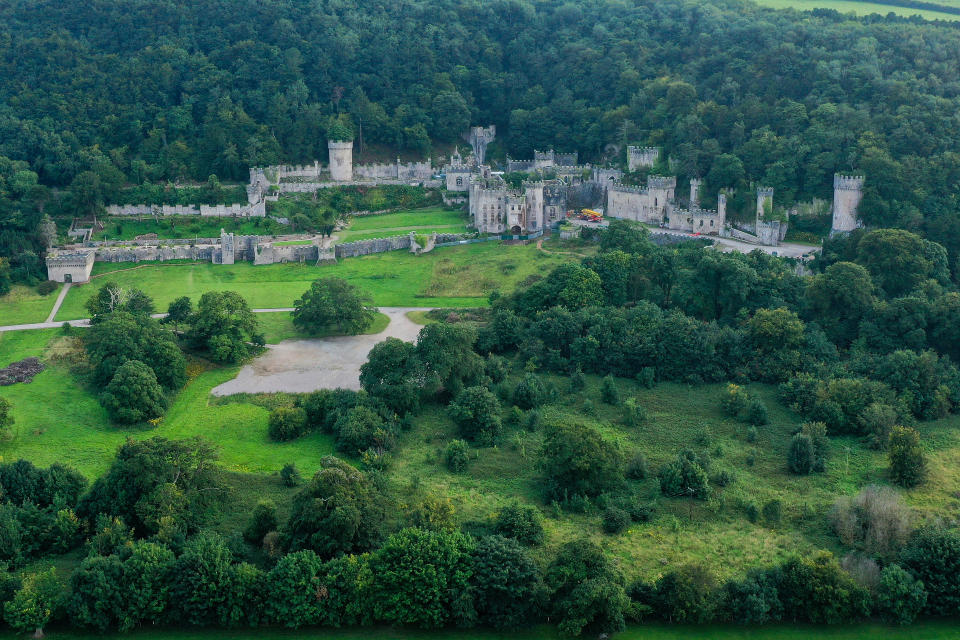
341	160
764	203
694	193
638	157
847	194
534	205
722	209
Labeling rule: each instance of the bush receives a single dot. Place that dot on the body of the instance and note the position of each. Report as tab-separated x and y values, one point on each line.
522	522
530	392
686	594
362	428
647	377
800	457
46	287
722	478
286	423
262	521
457	455
875	521
933	556
289	475
752	512
772	512
133	395
633	413
685	478
637	468
908	465
476	412
609	392
878	421
615	520
734	400
578	461
900	597
756	413
752	434
578	381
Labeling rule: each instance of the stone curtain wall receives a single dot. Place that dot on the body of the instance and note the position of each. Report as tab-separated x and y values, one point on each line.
366	247
156	254
255	210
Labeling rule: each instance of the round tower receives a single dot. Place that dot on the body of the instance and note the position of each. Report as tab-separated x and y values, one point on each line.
341	160
847	193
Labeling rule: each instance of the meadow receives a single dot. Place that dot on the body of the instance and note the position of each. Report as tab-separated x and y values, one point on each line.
447	277
23	305
863	8
129	227
425	220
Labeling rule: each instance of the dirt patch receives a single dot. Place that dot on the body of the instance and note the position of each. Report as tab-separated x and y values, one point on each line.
20	371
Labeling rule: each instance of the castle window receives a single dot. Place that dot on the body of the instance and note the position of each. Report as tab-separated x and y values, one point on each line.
711	223
459	182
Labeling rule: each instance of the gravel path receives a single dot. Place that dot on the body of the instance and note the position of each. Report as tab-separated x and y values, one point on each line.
300	366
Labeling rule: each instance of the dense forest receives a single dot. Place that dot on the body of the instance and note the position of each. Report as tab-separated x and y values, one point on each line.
100	94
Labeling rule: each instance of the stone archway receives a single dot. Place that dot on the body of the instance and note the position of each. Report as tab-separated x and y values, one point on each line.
68	277
516	230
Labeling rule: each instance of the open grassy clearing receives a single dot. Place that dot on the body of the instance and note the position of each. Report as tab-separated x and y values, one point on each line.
916	631
278	326
429	219
23	305
862	8
447	277
128	227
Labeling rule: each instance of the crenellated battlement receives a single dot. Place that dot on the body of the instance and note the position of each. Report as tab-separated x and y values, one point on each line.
661	182
765	192
848	183
623	188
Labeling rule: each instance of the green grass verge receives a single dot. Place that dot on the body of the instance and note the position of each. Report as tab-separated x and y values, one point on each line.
419	317
919	631
460	276
278	326
862	8
128	227
24	305
290	243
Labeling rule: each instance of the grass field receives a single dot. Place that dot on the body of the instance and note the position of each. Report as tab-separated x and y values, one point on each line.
127	227
446	277
393	224
24	304
863	8
916	631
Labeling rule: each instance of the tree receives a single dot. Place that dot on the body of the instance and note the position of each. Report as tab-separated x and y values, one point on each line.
753	600
817	589
339	511
361	428
179	311
224	326
521	522
685	477
111	298
294	586
609	392
529	392
121	336
423	579
333	304
133	395
900	597
477	413
97	593
578	461
286	423
898	260
263	520
839	299
33	603
586	591
457	455
686	594
201	577
390	373
801	456
933	557
446	361
147	577
907	461
506	584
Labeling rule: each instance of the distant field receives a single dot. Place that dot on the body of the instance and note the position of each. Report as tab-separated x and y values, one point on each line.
863	8
127	227
23	305
425	220
447	277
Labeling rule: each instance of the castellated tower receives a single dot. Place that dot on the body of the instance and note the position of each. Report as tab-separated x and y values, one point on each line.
721	209
694	193
764	202
641	157
847	193
341	160
534	201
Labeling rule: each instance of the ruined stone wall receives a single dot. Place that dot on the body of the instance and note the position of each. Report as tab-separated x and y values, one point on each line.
366	247
258	210
156	254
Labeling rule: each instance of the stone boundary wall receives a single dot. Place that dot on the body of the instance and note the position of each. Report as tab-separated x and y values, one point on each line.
737	234
377	245
157	254
310	187
255	210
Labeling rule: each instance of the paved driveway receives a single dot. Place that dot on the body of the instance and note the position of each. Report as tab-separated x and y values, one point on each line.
299	366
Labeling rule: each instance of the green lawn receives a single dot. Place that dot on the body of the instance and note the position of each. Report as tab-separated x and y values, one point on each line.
289	243
24	305
446	277
58	419
127	227
862	8
918	631
424	220
278	327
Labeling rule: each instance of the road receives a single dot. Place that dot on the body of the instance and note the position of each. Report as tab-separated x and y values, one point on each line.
785	249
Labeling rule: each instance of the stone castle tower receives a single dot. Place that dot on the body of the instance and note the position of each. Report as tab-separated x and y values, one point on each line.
694	193
641	157
764	202
341	160
847	194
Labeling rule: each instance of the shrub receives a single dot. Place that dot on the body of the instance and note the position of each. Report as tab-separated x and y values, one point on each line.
477	413
756	413
933	556
800	457
633	413
685	477
585	590
588	407
534	420
818	590
286	423
362	428
878	421
686	594
289	475
615	520
637	468
722	478
772	512
752	434
46	287
530	392
609	392
577	460
262	521
457	455
899	597
875	520
522	522
908	465
133	395
734	400
752	512
577	381
647	377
